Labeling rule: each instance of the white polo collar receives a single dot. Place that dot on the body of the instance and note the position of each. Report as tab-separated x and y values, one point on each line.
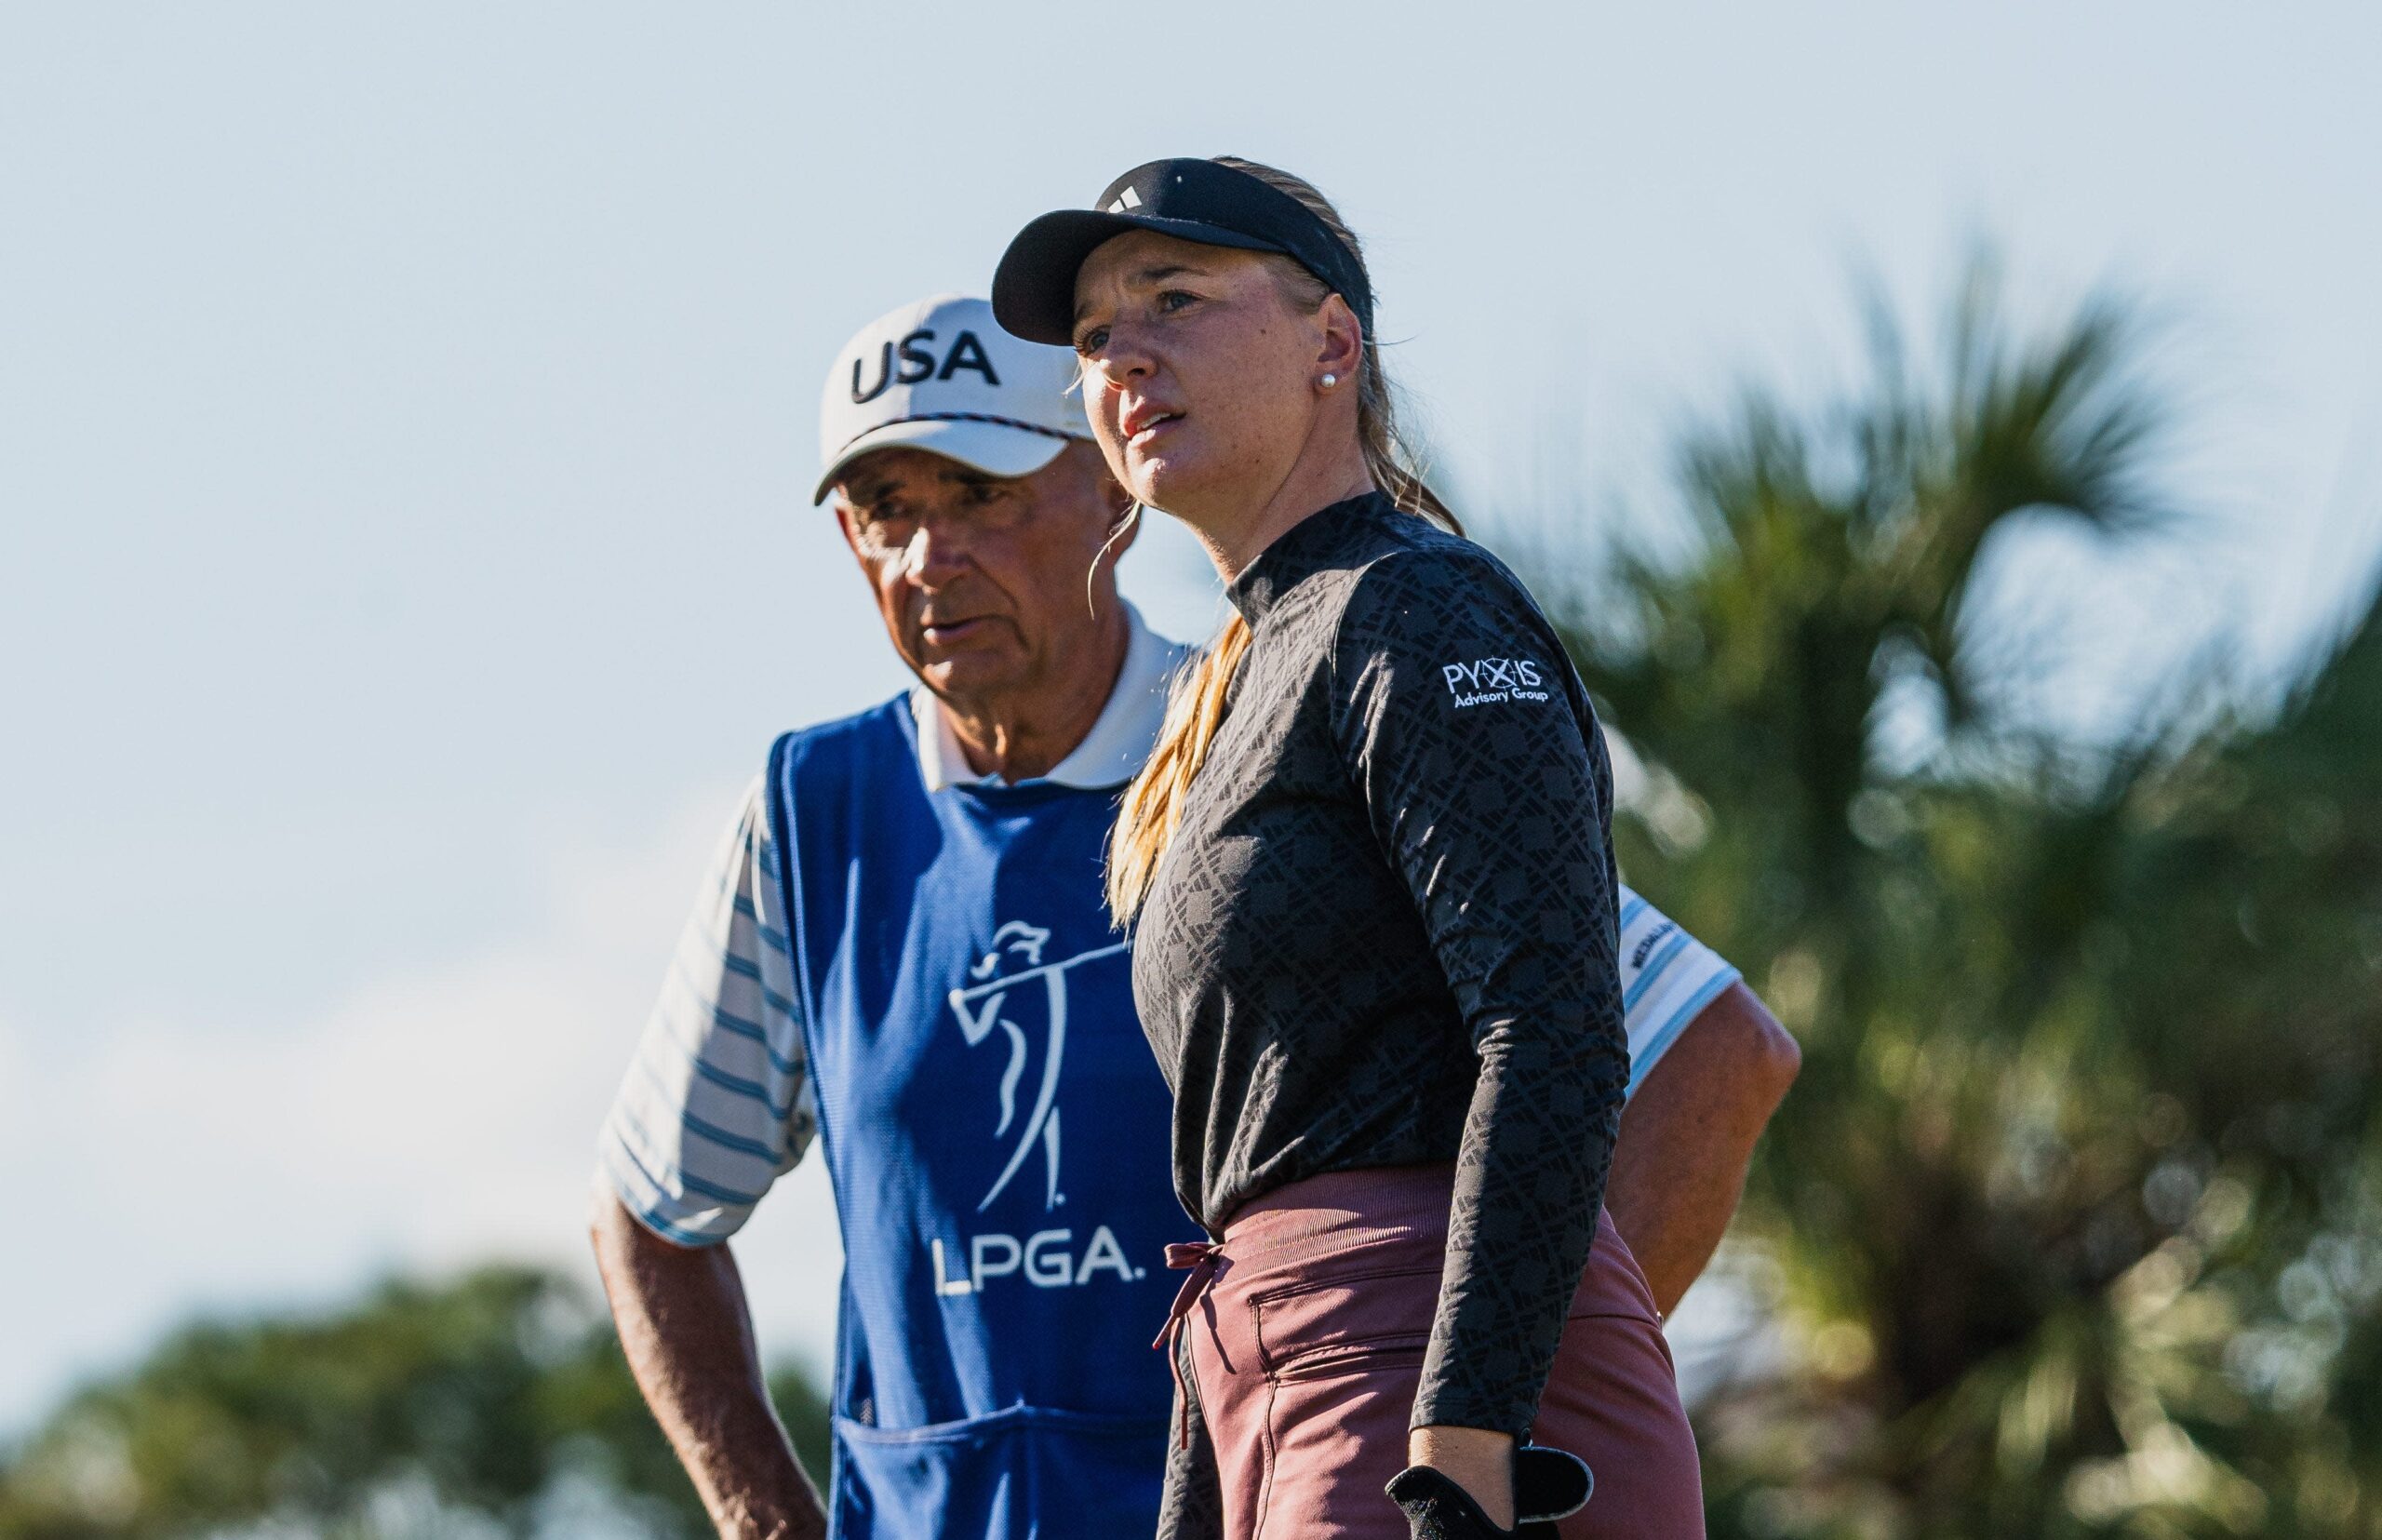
1110	754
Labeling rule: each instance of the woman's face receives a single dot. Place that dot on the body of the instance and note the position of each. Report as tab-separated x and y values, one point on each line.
1199	370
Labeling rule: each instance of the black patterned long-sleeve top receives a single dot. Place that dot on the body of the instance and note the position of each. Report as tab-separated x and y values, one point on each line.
1383	933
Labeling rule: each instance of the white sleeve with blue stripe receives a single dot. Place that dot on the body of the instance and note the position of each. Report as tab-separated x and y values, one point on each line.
1666	977
717	1104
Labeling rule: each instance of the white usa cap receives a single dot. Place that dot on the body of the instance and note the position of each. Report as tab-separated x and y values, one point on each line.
942	375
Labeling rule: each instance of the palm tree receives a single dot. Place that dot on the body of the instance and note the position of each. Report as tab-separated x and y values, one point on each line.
2041	1128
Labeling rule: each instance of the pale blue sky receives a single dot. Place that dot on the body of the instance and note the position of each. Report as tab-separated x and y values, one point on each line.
405	416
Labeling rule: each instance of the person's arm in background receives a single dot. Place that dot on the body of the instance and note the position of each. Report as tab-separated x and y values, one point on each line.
715	1107
687	1335
1688	1134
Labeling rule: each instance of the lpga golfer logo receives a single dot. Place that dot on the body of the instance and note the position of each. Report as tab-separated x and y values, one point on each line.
1005	984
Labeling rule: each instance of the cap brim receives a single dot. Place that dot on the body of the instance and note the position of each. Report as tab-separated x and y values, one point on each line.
1034	287
991	448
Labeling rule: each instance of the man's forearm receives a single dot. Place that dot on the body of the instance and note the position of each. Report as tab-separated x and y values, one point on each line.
688	1340
1688	1135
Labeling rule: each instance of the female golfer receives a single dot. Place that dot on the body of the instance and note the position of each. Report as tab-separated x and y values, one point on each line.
1375	944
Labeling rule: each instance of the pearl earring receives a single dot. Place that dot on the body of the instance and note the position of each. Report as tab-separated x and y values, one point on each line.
1329	381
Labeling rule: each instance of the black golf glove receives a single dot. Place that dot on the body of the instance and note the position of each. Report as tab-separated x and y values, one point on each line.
1549	1484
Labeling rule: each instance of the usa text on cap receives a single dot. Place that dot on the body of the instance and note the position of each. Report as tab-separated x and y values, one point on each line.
941	375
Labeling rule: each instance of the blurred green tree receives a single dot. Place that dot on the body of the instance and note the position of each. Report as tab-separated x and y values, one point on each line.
2071	1218
496	1404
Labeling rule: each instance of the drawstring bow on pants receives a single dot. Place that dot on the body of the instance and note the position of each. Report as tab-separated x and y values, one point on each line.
1201	1257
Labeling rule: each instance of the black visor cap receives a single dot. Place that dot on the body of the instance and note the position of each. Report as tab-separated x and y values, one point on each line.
1034	289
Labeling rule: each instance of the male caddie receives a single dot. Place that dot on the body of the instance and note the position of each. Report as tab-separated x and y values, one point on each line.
903	952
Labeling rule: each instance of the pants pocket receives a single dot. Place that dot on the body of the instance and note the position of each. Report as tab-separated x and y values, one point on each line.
1022	1472
1347	1323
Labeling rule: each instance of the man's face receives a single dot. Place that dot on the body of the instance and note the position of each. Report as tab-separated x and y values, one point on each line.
982	579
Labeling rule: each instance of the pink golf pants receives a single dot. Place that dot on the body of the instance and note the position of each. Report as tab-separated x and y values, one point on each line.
1309	1343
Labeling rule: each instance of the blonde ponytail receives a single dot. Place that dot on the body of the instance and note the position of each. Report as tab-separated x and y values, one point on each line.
1152	804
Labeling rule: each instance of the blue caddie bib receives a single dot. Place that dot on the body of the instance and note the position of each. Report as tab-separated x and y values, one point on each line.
996	1132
